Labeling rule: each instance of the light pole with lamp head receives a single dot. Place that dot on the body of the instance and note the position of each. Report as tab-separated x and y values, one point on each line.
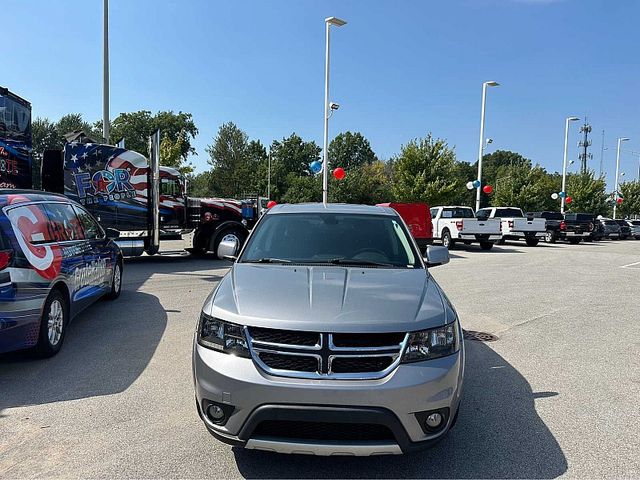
482	140
617	183
327	110
564	160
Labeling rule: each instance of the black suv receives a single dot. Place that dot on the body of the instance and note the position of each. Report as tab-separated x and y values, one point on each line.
625	229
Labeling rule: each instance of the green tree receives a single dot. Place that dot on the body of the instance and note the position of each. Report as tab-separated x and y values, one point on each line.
303	189
228	157
349	150
136	128
44	135
367	184
171	154
630	205
425	171
588	194
290	158
199	185
523	186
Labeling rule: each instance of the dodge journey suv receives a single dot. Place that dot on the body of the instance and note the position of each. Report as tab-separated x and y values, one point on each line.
328	336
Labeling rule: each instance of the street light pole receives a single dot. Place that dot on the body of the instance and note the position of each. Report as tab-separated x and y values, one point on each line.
564	160
481	147
325	144
105	72
617	184
269	177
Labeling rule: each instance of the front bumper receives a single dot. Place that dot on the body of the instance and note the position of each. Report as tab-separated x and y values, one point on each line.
252	396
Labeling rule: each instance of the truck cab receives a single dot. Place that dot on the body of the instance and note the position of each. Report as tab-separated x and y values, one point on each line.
453	224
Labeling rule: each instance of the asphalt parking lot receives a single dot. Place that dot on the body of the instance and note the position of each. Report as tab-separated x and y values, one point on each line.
556	394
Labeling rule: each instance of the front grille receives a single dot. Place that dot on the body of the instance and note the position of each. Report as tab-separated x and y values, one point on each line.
359	340
285	337
355	432
325	355
360	364
298	363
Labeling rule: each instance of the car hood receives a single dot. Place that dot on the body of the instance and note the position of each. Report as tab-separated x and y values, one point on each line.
330	298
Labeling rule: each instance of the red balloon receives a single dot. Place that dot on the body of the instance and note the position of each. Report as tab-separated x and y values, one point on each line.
487	189
568	200
339	173
271	203
619	201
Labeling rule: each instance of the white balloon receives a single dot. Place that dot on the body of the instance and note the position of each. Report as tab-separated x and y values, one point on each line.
470	185
554	196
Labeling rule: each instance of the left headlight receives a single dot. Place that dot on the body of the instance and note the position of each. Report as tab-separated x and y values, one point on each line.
222	336
433	343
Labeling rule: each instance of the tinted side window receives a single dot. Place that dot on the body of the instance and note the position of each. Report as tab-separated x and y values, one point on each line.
30	224
91	228
508	212
434	212
63	223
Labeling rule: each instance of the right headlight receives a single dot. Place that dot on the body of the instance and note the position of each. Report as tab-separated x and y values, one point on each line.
222	336
433	343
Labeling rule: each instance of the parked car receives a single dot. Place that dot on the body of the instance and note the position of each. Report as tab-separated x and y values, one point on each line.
454	224
55	261
515	226
597	233
329	336
635	228
611	229
625	229
418	219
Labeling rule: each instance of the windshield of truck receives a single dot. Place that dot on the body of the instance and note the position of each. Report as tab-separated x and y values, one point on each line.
332	238
15	120
508	212
457	213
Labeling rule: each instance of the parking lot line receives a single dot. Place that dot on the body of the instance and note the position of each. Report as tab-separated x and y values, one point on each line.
630	265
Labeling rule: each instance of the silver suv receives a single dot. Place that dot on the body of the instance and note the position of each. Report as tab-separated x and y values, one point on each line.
328	336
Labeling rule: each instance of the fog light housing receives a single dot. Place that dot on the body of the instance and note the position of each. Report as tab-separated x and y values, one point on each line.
434	420
215	413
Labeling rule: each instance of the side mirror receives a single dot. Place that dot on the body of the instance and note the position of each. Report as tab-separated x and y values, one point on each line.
436	256
111	233
228	249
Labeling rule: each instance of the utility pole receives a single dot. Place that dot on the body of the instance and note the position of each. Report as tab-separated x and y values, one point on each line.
585	143
105	72
602	153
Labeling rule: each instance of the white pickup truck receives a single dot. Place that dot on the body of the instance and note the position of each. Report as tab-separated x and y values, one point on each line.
458	224
515	226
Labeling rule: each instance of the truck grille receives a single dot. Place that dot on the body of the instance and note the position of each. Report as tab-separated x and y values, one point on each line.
325	355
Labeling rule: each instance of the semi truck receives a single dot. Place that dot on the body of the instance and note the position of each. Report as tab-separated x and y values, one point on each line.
137	201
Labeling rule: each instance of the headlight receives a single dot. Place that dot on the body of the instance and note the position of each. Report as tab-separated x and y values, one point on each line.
222	336
433	343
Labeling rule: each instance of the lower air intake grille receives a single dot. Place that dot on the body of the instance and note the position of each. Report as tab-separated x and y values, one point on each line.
323	431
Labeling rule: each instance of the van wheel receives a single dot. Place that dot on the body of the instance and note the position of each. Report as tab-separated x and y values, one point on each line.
116	281
550	236
531	242
447	241
486	245
53	323
226	235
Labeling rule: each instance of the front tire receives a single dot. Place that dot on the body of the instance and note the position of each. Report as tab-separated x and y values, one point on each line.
233	233
53	325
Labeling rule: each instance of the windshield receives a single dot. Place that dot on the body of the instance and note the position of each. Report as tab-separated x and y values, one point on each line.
457	213
331	238
15	121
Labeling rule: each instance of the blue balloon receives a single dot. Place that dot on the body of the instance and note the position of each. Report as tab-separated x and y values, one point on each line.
562	194
316	166
476	184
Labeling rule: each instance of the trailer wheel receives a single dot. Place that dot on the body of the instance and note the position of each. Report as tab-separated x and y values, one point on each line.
228	234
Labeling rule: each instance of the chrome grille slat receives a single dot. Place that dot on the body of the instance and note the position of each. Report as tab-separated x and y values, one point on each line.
367	362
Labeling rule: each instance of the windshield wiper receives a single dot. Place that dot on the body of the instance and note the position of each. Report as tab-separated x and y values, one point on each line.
268	260
353	261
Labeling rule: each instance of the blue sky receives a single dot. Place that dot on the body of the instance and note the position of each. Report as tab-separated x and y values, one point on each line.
399	69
